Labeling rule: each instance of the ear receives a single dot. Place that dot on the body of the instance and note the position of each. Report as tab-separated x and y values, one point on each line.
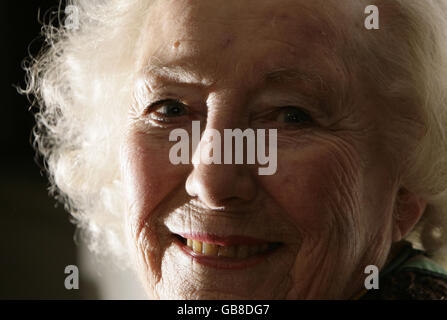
408	210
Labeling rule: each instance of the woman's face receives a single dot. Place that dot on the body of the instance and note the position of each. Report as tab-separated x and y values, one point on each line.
306	231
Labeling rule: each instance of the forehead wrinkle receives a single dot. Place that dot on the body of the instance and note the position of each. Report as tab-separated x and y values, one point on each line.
316	24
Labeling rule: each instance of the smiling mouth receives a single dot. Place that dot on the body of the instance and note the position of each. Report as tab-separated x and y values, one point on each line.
231	249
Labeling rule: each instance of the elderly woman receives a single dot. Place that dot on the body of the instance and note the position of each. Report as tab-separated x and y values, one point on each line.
353	116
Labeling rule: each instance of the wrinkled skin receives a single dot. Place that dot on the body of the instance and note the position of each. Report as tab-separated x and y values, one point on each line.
330	202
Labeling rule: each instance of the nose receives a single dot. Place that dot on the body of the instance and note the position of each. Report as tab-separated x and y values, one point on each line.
221	185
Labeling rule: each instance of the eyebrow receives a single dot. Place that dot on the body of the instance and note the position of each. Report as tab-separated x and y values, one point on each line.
183	74
175	73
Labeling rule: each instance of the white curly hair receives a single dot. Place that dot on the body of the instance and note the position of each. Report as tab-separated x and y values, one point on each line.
83	84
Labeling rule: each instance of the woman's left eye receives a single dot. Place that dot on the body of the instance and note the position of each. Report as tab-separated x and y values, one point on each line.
293	115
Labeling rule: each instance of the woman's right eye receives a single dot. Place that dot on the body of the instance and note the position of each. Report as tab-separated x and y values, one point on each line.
167	109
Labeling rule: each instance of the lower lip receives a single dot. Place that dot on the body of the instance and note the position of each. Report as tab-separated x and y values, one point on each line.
224	262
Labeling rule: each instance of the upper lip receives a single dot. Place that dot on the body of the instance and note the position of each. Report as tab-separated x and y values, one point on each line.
223	240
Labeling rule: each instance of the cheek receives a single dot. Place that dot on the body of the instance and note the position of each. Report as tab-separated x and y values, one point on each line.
317	187
149	174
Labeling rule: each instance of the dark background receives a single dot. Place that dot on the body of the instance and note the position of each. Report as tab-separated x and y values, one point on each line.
36	238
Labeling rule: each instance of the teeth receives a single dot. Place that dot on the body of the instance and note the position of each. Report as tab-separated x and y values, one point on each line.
209	249
227	251
197	246
242	251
